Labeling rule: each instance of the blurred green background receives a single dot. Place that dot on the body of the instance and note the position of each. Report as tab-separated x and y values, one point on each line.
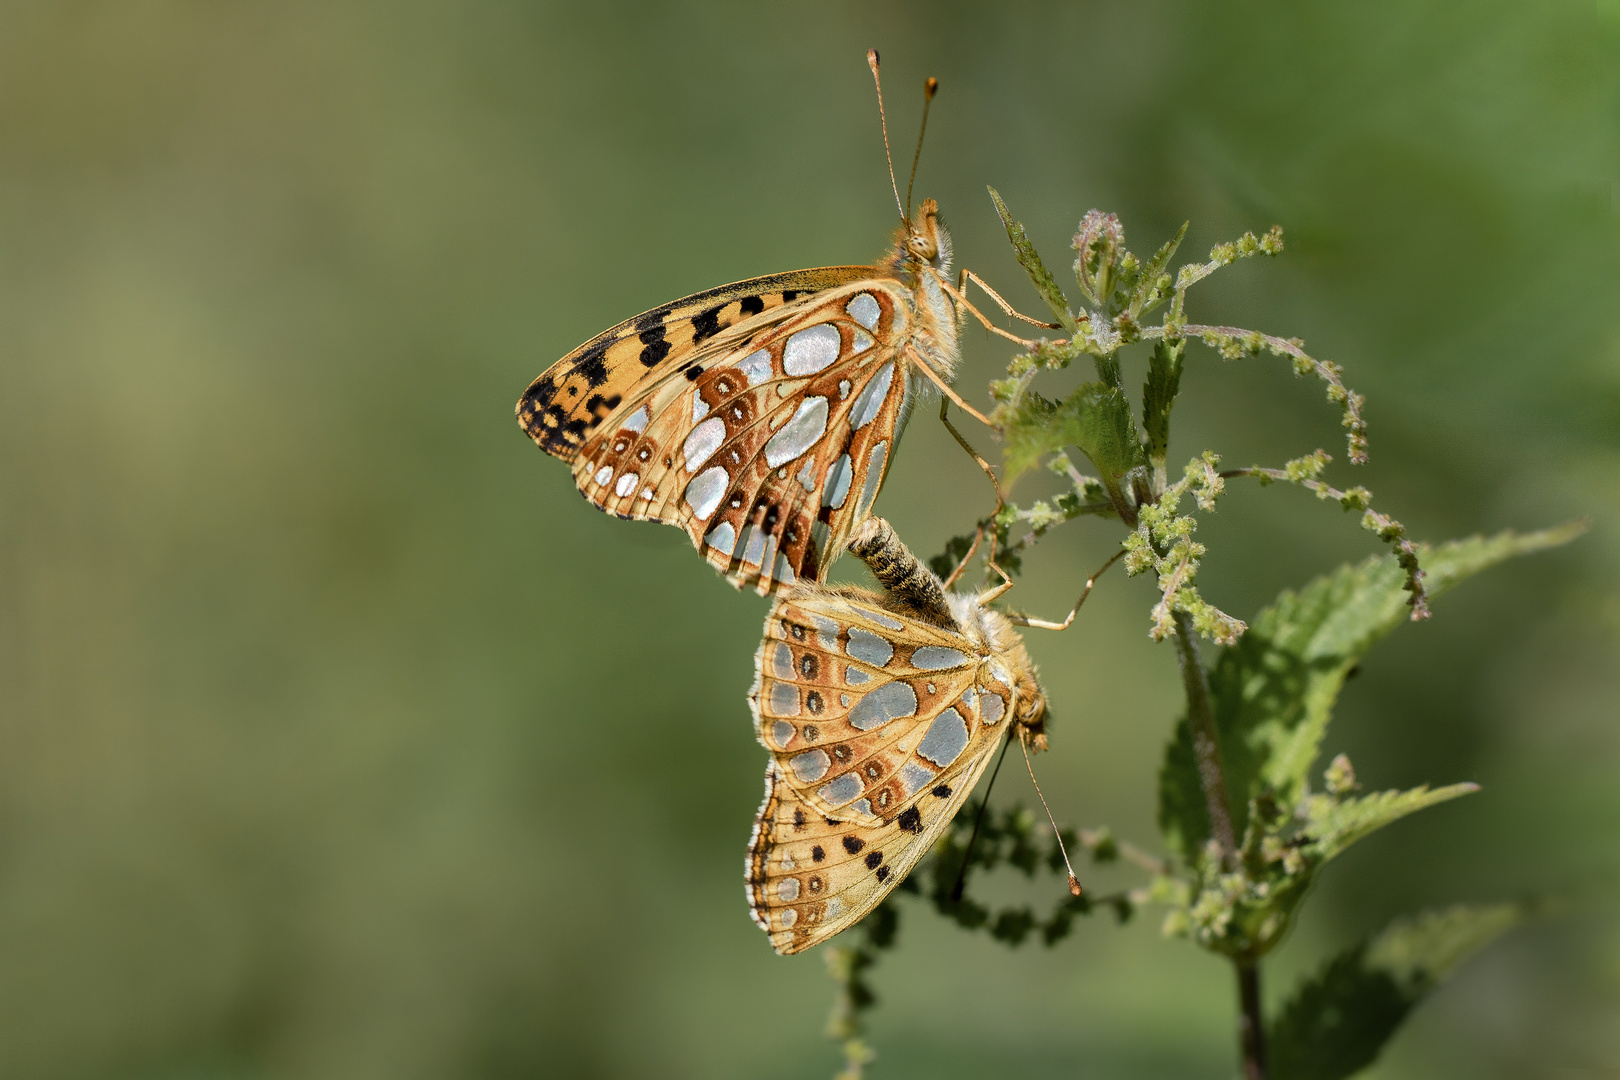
340	738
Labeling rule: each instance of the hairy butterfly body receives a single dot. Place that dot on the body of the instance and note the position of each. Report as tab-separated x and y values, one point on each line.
760	417
880	713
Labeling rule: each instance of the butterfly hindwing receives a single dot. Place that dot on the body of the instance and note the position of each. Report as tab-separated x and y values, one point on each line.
879	725
768	444
810	877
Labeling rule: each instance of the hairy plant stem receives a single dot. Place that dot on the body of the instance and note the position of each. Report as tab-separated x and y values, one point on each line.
1206	740
1212	778
1251	1028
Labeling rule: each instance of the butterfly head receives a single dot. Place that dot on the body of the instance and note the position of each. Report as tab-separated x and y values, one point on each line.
1029	710
923	241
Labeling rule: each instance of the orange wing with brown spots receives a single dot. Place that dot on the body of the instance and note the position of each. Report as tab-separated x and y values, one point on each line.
767	442
879	724
566	405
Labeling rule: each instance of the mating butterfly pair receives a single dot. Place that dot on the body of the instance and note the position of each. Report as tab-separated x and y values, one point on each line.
761	418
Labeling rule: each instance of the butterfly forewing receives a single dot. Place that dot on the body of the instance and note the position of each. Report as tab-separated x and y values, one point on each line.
566	405
768	443
878	725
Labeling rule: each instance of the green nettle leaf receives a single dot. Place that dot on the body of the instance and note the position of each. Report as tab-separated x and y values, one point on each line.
1334	825
1024	251
1146	290
1339	1019
1096	418
1273	692
1159	395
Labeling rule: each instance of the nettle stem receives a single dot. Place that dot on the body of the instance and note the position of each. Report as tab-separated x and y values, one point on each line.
1251	1026
1206	740
1212	778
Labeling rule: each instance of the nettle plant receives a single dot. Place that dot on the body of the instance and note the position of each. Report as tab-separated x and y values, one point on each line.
1244	831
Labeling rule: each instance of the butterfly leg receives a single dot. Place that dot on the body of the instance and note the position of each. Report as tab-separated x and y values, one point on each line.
995	483
945	388
1043	624
994	594
968	275
961	298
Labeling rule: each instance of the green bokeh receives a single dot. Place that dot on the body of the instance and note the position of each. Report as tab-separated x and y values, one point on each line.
340	738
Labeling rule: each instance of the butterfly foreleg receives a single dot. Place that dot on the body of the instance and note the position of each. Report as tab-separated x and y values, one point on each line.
961	298
967	275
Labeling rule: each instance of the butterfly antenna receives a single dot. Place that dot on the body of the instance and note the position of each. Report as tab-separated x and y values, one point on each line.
930	88
1074	882
967	855
872	62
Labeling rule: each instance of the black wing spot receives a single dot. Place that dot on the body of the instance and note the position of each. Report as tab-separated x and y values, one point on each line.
852	844
751	305
601	407
654	347
693	373
540	394
653	318
706	324
817	854
790	295
943	791
798	819
592	367
873	860
910	819
882	874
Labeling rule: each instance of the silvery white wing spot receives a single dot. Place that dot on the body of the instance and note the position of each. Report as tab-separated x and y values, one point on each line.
760	417
880	712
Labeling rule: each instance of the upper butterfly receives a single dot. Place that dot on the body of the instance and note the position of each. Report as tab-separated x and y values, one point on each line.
761	417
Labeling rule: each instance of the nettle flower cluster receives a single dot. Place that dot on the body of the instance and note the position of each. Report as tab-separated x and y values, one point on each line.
1244	832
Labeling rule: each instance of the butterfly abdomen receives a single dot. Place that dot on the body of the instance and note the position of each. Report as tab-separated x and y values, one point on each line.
899	571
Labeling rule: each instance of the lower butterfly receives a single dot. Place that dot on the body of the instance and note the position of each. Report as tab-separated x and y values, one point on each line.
760	417
880	713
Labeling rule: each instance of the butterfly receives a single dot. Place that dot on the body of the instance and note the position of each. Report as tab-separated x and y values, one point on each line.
880	713
760	417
